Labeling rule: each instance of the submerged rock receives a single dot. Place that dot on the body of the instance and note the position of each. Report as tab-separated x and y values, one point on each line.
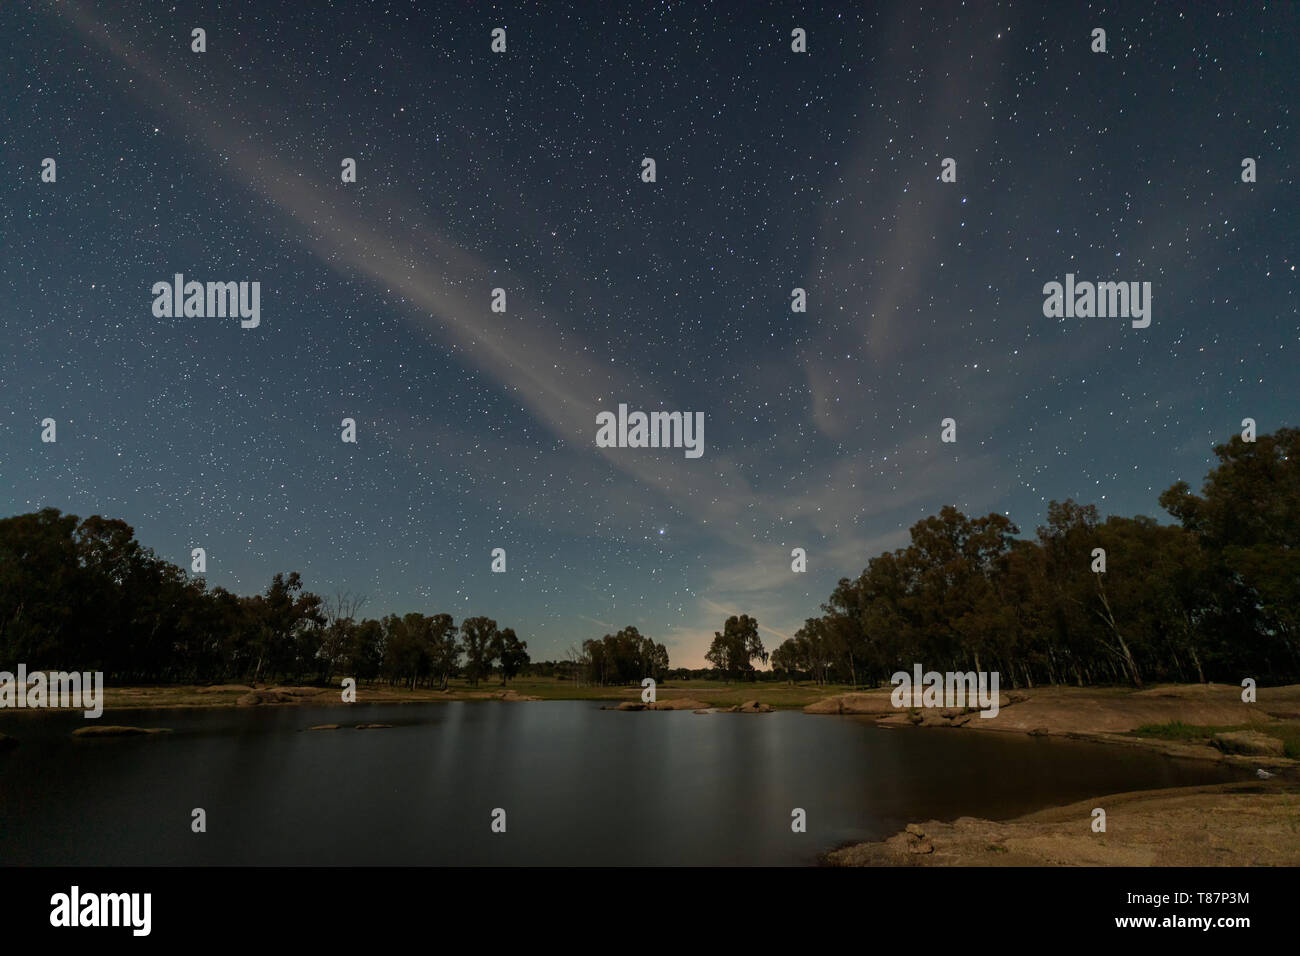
112	730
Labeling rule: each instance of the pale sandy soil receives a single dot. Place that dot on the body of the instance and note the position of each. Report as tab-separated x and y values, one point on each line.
1237	824
1104	714
1256	823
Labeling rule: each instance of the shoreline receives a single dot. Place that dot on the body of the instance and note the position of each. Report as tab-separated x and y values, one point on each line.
1249	823
1197	825
1098	714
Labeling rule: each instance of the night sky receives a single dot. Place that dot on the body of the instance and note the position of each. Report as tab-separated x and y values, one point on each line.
522	170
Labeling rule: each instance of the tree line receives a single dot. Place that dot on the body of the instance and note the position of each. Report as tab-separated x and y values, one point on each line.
85	595
1120	600
625	657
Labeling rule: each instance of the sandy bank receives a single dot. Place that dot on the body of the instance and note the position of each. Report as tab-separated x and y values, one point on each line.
1109	715
1236	824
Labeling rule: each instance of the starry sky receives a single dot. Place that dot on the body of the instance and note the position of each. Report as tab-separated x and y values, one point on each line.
521	170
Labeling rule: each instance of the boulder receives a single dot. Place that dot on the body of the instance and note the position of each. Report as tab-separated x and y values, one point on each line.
631	705
828	705
678	703
752	707
911	840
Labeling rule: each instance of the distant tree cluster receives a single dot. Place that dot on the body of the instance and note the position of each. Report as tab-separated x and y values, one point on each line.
1215	597
623	658
735	649
85	595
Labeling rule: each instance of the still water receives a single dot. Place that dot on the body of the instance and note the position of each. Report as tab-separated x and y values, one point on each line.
579	786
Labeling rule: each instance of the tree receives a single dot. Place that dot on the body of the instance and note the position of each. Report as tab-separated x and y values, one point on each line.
512	653
288	626
443	651
735	649
339	635
1247	519
478	641
787	661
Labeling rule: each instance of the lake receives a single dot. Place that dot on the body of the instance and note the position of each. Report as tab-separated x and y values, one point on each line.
579	786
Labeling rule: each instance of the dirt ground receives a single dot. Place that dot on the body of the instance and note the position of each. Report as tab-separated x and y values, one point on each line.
1237	824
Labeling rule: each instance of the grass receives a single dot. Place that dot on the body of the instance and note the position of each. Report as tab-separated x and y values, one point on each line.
1287	732
1177	730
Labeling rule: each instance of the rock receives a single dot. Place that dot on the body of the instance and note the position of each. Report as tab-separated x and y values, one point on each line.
372	726
700	712
752	707
830	705
678	703
325	727
112	730
1250	742
1039	732
7	742
257	697
871	703
912	840
630	705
